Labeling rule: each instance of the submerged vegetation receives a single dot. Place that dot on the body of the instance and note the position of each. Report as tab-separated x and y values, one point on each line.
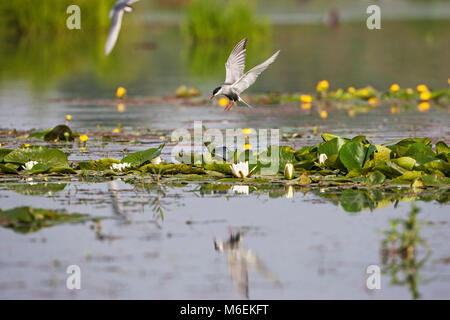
401	251
28	219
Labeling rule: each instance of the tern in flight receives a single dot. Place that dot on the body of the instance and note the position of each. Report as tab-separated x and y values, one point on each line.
235	80
116	15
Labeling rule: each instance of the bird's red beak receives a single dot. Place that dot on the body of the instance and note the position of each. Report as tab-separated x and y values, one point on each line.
212	96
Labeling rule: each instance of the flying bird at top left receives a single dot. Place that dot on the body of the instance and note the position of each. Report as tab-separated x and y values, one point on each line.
116	15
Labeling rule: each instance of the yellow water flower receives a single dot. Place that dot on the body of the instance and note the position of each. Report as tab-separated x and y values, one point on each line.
323	114
423	106
116	130
68	117
182	91
394	88
425	96
448	81
409	91
247	146
121	91
351	89
26	145
351	113
422	88
373	101
305	98
193	92
223	102
84	138
322	86
364	92
121	107
0	145
305	106
314	130
247	131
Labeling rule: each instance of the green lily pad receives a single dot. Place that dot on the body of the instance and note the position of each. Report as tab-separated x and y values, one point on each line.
219	167
38	168
8	168
4	152
139	158
97	165
441	147
435	180
390	169
375	178
410	175
331	147
43	155
352	155
407	163
382	154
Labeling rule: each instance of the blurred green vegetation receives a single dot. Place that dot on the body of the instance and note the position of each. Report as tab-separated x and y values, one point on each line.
40	49
223	21
32	18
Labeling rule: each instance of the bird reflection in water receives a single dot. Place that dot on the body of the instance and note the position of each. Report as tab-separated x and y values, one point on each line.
240	259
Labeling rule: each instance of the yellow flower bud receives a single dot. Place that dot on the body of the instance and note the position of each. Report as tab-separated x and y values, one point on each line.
422	88
322	86
121	91
84	138
394	88
305	98
425	95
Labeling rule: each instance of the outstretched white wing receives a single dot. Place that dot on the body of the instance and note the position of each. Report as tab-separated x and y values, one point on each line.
116	15
250	77
114	30
235	64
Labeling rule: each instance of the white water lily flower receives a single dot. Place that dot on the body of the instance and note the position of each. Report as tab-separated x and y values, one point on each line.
29	165
240	189
156	160
120	166
322	158
241	170
289	171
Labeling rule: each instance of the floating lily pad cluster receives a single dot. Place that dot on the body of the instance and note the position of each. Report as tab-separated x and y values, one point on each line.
412	162
28	219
